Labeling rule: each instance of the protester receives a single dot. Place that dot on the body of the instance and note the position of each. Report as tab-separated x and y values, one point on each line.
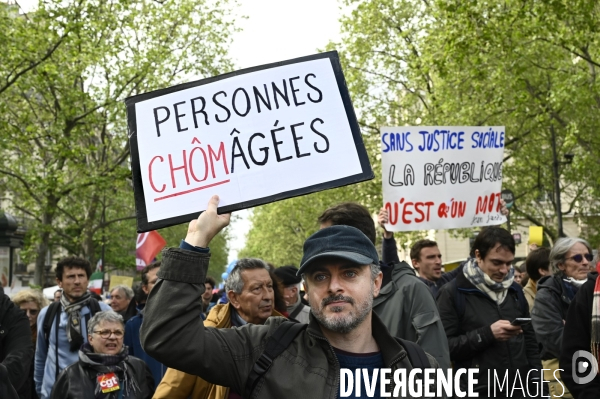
16	348
105	369
581	336
278	301
67	320
477	309
288	276
133	325
207	296
245	306
538	265
404	305
433	279
569	259
518	276
31	302
57	295
342	276
121	301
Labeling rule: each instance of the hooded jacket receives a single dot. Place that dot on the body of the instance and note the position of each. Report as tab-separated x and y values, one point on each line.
179	385
226	356
472	343
549	312
407	308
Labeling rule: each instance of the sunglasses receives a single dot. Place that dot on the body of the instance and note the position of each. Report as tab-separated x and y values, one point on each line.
579	257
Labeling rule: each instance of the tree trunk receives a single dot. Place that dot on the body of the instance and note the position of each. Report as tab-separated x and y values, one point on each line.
89	246
44	241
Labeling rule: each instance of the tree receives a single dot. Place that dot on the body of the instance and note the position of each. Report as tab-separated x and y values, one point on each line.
529	66
64	134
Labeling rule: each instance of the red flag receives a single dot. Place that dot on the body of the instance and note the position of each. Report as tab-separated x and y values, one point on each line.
148	246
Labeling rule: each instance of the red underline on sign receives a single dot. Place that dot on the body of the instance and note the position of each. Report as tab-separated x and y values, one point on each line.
190	191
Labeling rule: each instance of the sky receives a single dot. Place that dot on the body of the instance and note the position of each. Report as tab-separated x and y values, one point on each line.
278	30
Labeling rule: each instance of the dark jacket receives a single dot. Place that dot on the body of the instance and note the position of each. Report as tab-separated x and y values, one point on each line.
171	317
577	337
78	381
408	310
16	347
472	343
132	340
549	311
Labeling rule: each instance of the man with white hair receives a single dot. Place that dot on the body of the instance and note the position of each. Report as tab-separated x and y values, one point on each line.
298	311
121	301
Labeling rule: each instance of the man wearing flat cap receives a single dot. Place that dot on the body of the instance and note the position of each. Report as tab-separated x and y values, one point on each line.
340	268
288	276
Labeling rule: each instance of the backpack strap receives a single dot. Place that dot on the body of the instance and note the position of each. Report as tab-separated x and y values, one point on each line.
94	306
276	344
296	311
51	314
416	354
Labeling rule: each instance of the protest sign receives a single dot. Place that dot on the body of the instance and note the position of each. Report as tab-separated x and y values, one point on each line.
442	177
120	280
253	136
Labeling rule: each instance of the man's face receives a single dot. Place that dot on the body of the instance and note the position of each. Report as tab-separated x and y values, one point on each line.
74	282
151	276
290	295
118	300
497	262
341	293
573	268
429	263
57	296
207	296
255	302
518	276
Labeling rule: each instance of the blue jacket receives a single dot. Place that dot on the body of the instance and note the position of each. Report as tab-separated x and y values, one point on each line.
132	340
44	373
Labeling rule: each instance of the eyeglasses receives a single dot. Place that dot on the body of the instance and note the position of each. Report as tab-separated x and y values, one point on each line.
106	333
32	312
579	257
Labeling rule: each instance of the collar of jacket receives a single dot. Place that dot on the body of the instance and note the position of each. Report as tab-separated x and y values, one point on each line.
400	270
390	349
220	316
532	285
554	283
463	284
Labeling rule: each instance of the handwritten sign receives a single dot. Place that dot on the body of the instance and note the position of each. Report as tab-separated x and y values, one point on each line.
253	136
442	177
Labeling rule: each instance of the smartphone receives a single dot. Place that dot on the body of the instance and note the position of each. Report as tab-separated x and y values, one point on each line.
521	321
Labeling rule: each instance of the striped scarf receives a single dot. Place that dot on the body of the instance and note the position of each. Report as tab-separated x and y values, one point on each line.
496	291
596	318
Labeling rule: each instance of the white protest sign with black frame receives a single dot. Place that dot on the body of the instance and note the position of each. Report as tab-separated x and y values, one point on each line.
253	136
442	177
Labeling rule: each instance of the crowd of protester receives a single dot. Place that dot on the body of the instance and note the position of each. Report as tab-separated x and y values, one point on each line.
487	313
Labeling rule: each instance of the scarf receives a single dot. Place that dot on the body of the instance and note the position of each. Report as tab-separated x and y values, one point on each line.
103	363
73	311
596	319
496	291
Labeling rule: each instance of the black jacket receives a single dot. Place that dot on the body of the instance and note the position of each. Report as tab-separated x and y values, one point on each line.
549	311
470	338
16	347
577	337
78	381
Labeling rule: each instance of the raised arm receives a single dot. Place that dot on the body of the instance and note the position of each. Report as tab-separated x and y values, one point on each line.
389	250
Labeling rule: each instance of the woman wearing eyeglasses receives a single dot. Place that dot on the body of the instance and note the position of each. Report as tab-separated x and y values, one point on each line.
570	263
31	302
105	370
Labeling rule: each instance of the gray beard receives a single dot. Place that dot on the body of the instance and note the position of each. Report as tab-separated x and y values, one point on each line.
348	323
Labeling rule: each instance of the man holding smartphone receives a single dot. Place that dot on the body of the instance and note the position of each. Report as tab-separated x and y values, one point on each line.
485	314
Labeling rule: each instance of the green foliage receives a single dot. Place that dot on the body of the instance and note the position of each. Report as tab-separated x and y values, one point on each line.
64	74
530	66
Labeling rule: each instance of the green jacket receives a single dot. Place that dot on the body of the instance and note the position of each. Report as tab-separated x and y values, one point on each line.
407	308
173	334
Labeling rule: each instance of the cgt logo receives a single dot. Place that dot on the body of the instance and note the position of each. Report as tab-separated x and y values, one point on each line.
585	367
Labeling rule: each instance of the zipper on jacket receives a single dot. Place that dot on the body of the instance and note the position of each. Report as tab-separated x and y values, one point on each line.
337	378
